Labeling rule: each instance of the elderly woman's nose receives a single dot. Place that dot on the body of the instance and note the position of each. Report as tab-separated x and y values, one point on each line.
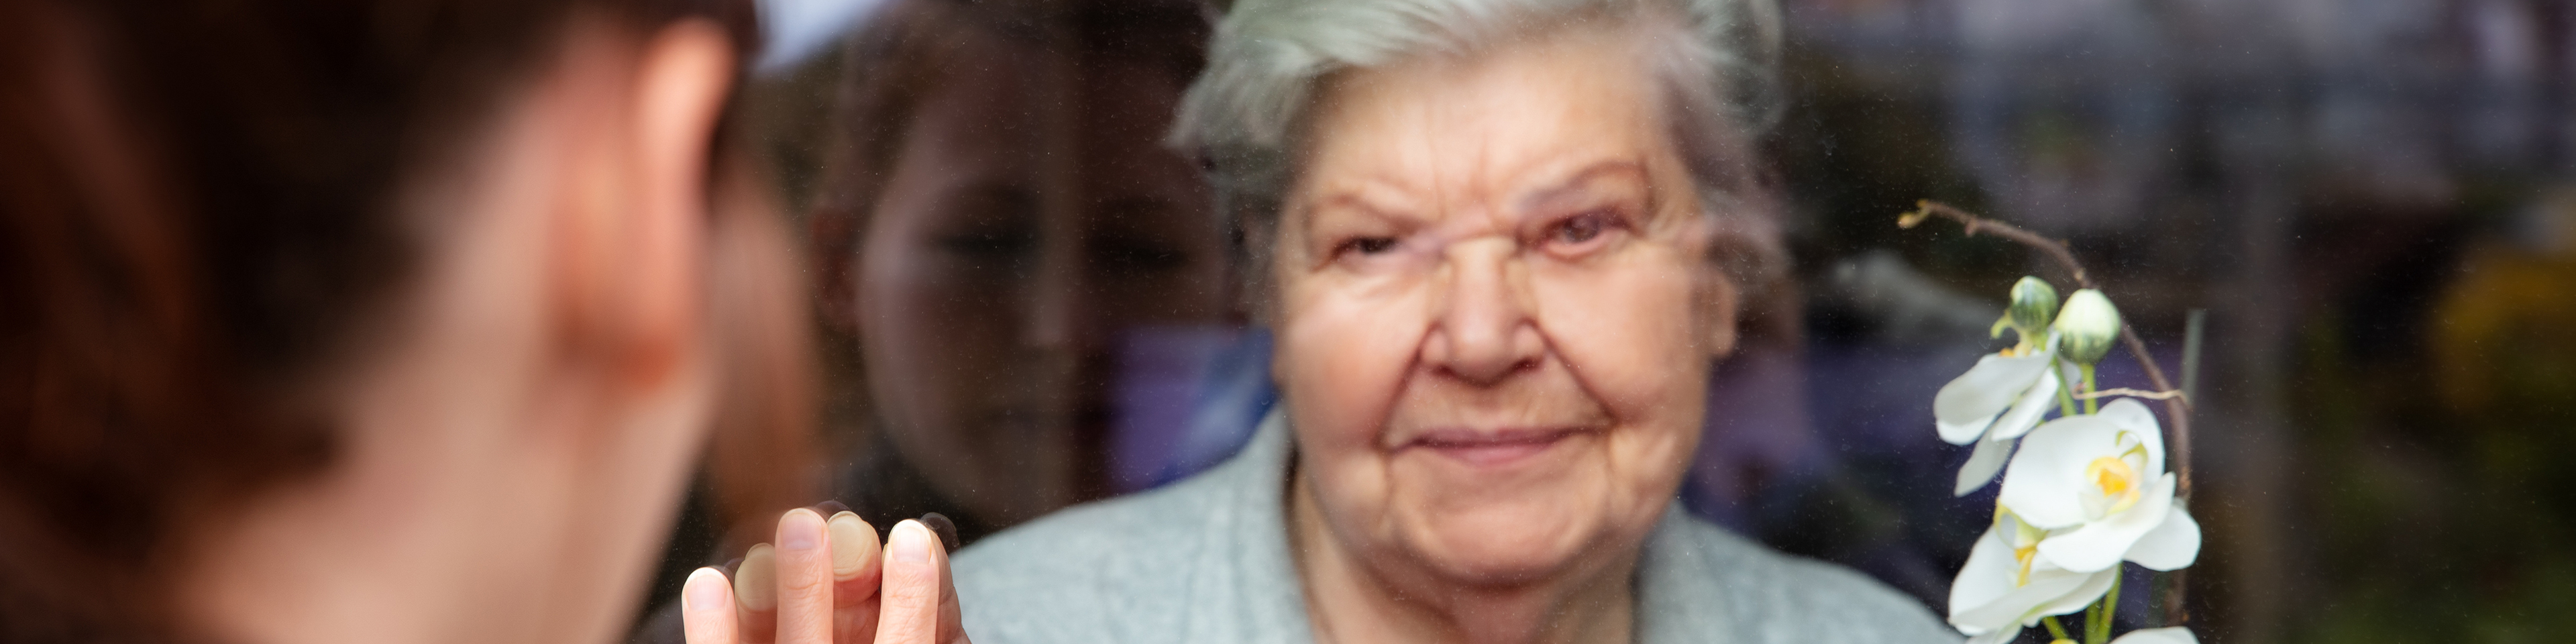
1482	330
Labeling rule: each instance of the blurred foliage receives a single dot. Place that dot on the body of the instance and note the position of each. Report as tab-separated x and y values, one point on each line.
2441	496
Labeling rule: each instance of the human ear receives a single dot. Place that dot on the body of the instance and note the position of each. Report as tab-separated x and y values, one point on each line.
654	293
1717	296
1721	308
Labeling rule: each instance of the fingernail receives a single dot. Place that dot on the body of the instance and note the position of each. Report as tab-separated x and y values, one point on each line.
830	507
800	530
850	536
731	566
946	529
911	542
754	585
704	591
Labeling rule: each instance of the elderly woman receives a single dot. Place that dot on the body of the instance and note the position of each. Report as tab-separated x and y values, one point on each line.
1500	243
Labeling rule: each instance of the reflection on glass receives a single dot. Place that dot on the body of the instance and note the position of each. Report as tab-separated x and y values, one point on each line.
999	223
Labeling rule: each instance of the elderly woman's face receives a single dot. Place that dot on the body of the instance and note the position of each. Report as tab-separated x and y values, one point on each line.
1496	313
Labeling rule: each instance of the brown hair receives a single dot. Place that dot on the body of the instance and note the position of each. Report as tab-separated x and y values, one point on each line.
193	219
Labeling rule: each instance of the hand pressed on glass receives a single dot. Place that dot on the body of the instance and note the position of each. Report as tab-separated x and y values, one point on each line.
829	582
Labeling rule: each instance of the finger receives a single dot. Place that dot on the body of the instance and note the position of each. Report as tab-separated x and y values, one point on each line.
856	569
706	609
755	593
914	582
804	579
952	619
855	556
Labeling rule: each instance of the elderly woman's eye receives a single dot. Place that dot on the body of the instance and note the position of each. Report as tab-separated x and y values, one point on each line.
1369	245
1582	228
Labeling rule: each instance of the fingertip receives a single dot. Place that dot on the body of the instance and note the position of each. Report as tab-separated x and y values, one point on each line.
854	545
910	542
754	586
800	530
706	590
706	608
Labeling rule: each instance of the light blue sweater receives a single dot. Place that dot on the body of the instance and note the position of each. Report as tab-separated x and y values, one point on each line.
1206	560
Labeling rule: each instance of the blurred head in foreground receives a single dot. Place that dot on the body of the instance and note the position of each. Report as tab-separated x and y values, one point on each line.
361	321
996	213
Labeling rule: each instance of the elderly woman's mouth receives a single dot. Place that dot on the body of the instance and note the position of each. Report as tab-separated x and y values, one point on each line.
1491	447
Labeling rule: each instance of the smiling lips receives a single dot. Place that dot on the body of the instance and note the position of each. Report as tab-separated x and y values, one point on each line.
1490	448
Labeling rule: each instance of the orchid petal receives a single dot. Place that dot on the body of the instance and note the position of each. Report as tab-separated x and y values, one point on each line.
1984	599
1983	464
1966	406
1999	636
2040	482
2173	545
2046	594
2092	588
2025	413
2099	545
1950	431
2133	417
2167	635
1988	575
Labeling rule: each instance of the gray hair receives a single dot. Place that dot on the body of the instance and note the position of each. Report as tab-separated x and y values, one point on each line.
1717	60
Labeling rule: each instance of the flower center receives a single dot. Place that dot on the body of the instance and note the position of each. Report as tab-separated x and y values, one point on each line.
2024	540
2116	481
2022	556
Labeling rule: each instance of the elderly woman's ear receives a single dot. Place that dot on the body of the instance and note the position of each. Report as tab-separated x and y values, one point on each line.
1720	305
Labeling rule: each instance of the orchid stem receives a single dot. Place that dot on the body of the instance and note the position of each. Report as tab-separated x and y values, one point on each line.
2065	395
2091	405
2055	629
2097	621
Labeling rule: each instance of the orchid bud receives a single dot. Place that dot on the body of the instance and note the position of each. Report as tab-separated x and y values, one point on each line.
2087	327
2034	304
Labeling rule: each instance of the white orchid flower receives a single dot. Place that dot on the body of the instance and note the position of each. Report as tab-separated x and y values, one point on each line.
1994	403
2008	585
2166	635
2097	485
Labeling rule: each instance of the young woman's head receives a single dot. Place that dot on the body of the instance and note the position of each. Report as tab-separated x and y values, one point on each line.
332	320
997	215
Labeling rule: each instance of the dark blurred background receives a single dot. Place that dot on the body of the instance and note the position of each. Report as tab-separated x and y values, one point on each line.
2371	198
2374	201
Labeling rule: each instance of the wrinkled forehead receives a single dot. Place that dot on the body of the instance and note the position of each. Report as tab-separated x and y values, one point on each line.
1479	130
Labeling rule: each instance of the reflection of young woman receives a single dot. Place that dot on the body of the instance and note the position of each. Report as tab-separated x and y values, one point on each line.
360	322
997	215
